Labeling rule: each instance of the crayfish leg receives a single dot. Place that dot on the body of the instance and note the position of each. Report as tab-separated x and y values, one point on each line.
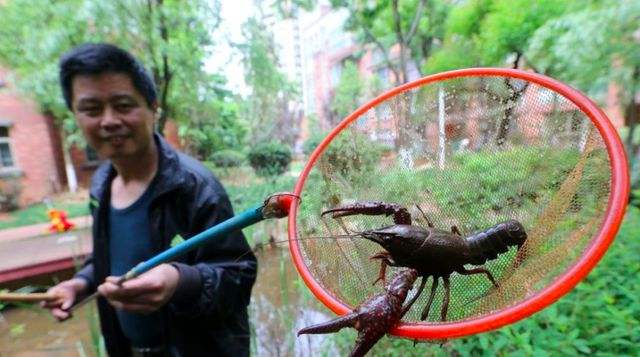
464	271
385	260
429	223
445	303
425	312
406	308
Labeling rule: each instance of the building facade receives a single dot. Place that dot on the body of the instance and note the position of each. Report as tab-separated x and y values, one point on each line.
31	160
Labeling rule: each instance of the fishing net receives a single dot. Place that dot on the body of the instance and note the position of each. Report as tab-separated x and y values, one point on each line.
469	148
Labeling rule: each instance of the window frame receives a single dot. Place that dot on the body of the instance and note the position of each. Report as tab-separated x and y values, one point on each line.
14	168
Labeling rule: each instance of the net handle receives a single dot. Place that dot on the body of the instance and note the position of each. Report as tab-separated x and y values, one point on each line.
562	285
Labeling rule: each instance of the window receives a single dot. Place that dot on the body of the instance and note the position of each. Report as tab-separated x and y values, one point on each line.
6	158
336	72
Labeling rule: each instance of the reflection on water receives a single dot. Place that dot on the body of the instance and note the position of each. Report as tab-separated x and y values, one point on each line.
30	331
280	306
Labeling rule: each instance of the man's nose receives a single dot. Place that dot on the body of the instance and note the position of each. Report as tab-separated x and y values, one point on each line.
110	118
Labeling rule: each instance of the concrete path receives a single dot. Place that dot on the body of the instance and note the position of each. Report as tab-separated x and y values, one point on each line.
32	250
39	229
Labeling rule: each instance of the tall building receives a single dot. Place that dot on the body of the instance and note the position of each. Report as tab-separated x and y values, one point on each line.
324	45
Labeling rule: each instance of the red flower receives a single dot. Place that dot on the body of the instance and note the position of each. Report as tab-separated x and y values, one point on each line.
59	222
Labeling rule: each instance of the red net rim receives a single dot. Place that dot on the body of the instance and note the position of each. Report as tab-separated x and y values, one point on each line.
563	284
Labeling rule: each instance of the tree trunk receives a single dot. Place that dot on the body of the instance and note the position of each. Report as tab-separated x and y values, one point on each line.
161	72
441	129
70	170
166	74
631	119
510	102
401	42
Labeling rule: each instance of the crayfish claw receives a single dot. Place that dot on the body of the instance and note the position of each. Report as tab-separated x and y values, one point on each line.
372	208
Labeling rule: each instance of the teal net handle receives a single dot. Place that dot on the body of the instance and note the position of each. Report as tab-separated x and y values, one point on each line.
243	220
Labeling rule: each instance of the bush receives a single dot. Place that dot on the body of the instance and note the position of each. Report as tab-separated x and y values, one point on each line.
352	153
10	190
227	158
311	143
270	159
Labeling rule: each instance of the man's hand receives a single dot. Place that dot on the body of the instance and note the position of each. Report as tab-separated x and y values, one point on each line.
67	292
144	294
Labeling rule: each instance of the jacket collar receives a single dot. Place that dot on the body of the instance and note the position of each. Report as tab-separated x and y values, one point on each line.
169	175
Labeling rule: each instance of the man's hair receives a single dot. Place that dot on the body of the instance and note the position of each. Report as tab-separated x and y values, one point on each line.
99	58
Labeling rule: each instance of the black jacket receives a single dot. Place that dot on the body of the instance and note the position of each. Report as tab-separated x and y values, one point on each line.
207	316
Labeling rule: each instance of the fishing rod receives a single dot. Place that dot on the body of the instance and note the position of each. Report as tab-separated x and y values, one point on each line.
275	206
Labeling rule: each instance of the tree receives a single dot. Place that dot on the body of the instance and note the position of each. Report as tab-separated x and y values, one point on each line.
287	9
348	93
460	44
411	26
492	33
172	38
593	47
270	107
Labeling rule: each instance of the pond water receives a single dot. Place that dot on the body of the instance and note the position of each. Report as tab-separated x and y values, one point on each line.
280	306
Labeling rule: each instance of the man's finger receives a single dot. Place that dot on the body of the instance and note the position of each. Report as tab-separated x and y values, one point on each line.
138	308
61	315
142	299
126	291
113	280
67	304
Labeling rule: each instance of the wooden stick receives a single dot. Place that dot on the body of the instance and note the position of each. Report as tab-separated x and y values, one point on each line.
35	297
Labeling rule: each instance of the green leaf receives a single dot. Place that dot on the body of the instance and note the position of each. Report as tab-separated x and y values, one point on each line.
176	240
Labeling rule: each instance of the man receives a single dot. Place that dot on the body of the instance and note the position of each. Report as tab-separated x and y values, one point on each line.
142	197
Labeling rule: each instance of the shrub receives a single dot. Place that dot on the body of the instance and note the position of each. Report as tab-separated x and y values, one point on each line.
352	153
311	143
10	190
270	158
227	158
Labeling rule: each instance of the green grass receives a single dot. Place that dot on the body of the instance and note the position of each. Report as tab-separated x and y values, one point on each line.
37	213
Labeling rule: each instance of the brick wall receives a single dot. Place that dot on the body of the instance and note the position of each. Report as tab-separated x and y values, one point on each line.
33	142
83	167
171	135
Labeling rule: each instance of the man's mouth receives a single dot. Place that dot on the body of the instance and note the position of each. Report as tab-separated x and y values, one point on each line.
116	139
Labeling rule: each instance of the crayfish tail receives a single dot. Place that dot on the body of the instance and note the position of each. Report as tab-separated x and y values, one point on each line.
330	326
488	244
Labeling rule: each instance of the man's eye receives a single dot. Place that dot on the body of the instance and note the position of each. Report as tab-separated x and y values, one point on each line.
92	111
124	107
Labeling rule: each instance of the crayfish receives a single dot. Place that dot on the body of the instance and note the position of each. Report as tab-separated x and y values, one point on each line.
431	251
375	316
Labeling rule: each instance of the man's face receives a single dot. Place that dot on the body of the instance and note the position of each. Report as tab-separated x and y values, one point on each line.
113	115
